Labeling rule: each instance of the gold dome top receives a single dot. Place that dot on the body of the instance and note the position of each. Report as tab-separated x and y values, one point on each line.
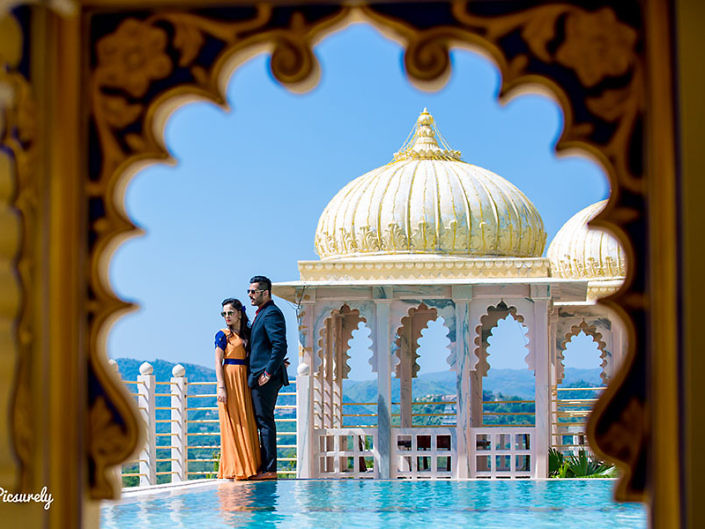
428	201
578	252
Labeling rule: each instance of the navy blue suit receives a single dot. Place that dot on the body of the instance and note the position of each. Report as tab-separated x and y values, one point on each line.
267	352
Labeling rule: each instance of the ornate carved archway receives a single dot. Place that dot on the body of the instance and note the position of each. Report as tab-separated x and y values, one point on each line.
330	366
408	335
488	322
187	54
140	64
337	331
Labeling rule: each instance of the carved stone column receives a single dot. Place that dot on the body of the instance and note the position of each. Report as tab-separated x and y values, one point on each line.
327	374
540	351
553	378
407	347
475	373
304	393
461	297
336	383
384	381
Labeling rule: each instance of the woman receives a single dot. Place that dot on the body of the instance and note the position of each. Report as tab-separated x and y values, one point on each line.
240	452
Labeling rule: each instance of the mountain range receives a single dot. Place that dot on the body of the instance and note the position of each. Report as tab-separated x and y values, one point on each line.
514	382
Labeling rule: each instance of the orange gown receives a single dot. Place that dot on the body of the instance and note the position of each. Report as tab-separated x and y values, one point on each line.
240	455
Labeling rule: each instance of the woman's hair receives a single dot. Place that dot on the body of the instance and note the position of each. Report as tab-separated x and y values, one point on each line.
244	331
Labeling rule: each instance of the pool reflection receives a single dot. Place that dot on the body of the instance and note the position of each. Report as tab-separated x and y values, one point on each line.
175	516
243	502
304	504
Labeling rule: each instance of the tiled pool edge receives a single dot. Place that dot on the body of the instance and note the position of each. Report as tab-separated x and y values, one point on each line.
136	492
166	488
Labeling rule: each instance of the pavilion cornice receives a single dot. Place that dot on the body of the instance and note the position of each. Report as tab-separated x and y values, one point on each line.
421	267
602	288
566	290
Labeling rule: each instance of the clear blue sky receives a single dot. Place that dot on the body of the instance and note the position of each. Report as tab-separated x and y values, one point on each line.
251	182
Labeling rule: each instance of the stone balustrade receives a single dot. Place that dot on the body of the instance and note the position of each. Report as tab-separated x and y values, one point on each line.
185	437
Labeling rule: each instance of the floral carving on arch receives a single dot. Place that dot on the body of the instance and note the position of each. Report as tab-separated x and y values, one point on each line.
575	330
143	64
20	202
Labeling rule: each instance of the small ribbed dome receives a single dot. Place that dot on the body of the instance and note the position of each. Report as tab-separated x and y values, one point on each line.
428	201
578	252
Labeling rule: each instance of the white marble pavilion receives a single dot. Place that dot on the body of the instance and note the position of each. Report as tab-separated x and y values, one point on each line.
427	236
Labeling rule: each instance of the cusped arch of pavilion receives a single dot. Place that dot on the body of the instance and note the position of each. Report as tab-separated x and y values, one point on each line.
578	252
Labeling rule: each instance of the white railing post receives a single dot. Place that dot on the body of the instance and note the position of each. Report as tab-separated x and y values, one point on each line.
179	449
145	402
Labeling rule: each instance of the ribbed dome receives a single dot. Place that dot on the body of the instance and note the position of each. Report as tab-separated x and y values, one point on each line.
577	252
428	201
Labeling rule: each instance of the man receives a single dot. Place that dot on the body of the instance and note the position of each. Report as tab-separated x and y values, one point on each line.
267	369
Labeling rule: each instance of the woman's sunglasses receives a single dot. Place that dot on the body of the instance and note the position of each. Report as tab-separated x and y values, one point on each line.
228	313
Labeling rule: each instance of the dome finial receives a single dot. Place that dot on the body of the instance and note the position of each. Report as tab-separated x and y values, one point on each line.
423	142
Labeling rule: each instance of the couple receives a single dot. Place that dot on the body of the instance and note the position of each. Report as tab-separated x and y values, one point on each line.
250	367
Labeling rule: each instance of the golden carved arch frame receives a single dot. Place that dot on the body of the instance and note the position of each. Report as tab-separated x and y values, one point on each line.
608	104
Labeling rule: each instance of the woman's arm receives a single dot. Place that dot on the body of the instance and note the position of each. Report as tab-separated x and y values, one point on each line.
222	395
221	342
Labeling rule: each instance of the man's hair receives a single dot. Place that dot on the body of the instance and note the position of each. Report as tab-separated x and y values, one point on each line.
263	282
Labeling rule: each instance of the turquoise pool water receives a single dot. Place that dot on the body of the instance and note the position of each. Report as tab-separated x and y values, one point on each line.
584	504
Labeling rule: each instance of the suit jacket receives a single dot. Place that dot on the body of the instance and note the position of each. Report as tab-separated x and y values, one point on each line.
268	345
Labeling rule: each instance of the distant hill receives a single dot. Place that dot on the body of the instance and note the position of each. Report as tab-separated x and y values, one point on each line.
517	382
130	368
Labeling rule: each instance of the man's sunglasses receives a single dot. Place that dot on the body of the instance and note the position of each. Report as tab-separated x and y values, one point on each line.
251	291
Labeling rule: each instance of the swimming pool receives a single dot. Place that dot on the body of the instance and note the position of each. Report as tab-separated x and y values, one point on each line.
584	504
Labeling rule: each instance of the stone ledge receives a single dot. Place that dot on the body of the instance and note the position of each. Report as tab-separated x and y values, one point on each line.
423	268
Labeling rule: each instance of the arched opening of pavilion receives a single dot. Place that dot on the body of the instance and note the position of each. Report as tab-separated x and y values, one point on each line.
359	410
507	402
426	237
579	253
574	398
433	403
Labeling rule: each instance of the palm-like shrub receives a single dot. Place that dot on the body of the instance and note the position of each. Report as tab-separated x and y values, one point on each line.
555	462
580	466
